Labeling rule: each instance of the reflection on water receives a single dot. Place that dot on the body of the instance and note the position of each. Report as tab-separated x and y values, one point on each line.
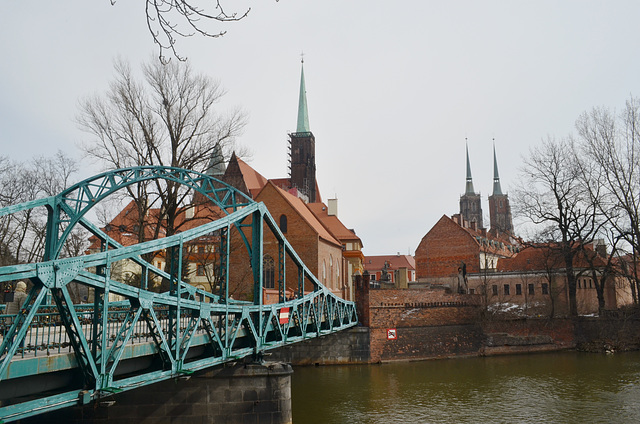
567	387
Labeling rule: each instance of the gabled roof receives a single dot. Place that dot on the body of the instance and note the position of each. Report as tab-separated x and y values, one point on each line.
123	228
301	208
243	177
200	214
375	263
332	222
544	257
254	180
285	184
498	244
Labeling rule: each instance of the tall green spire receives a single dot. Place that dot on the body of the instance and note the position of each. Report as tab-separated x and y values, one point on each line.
469	188
497	190
303	113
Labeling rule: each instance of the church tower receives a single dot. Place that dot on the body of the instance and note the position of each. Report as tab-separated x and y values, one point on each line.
499	208
470	203
302	145
216	167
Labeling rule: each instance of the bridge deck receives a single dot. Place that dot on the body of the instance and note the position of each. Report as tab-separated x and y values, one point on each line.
88	351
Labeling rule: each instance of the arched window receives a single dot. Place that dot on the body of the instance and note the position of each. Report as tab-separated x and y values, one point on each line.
283	223
268	273
330	271
324	272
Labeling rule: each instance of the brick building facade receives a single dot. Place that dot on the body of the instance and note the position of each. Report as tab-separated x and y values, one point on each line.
393	270
458	253
332	252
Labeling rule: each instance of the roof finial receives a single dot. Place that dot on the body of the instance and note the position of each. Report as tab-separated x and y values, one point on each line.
302	57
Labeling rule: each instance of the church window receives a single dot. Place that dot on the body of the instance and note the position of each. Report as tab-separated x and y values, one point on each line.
268	273
545	288
324	272
518	289
331	271
506	289
494	289
531	289
283	223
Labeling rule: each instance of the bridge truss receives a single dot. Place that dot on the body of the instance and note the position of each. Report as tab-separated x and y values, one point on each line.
110	346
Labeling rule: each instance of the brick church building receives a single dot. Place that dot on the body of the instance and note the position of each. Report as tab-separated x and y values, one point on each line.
328	248
331	251
459	245
460	254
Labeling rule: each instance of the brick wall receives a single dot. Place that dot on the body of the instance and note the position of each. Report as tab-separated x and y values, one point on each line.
527	335
608	334
346	347
304	239
414	343
443	249
427	323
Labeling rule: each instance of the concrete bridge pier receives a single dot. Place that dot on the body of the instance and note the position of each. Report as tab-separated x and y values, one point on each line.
241	393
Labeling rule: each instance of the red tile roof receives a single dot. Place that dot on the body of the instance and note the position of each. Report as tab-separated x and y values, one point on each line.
542	257
375	263
332	223
252	178
299	206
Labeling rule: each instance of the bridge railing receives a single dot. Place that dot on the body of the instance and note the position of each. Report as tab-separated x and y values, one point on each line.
99	337
47	335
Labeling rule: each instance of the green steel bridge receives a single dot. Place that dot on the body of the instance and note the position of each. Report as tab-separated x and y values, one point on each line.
57	353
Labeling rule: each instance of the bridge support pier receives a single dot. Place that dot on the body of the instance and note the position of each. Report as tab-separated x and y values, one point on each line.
242	393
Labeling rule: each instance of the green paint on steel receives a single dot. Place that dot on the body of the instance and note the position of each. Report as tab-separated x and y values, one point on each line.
100	336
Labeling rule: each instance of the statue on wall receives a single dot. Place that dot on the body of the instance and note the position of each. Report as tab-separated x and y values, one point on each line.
462	279
385	272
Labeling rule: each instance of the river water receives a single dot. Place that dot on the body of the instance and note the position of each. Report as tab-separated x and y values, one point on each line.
565	387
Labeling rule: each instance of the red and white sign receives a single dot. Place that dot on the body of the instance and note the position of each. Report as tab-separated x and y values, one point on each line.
392	334
284	316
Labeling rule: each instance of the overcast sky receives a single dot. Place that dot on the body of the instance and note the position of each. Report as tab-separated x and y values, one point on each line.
393	88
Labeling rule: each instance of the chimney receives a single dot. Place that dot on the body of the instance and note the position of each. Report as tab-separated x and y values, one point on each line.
333	207
402	280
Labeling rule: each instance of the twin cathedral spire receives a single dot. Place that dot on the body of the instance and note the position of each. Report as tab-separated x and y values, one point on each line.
499	208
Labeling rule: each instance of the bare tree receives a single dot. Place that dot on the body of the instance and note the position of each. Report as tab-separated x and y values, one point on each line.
168	19
22	234
168	118
611	142
551	197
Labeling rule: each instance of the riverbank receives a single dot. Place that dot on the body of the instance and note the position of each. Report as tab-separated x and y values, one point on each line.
484	337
